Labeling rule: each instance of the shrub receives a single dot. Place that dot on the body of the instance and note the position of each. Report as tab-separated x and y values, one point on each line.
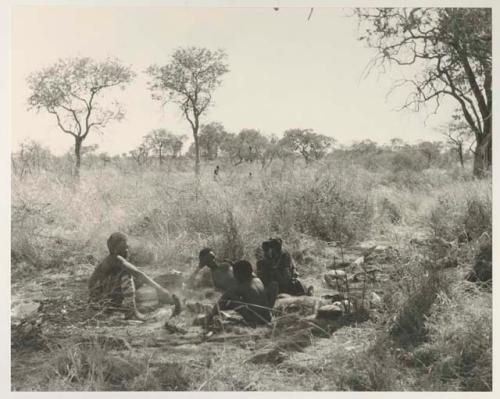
374	369
169	376
92	367
416	286
391	211
462	210
232	245
459	350
327	207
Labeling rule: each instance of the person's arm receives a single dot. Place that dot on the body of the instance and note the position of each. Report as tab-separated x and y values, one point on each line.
95	283
284	267
149	281
93	279
260	270
193	275
293	268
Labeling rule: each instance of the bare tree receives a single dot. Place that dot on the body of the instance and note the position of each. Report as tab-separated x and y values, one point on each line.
452	48
157	142
458	134
70	90
189	81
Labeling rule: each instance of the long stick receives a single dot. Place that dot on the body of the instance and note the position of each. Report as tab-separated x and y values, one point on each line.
174	300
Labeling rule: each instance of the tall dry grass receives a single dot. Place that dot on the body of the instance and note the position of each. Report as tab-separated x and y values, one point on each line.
169	216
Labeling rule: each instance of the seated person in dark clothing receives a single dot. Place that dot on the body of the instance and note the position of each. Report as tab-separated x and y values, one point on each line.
111	285
249	297
278	266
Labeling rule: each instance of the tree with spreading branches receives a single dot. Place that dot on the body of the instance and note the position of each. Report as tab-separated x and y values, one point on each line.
71	90
211	137
161	142
451	48
312	146
189	81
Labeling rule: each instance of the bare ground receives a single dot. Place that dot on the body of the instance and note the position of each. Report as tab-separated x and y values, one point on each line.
285	357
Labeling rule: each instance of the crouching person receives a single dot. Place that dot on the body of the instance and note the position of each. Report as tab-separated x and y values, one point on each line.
248	298
111	285
277	266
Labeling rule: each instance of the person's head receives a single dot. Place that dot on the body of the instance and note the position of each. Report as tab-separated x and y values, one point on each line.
272	247
242	271
118	245
266	248
206	258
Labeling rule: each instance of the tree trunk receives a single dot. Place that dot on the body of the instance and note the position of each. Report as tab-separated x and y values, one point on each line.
482	156
78	150
161	158
197	153
461	154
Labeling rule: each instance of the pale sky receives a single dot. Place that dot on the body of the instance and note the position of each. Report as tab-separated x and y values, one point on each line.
285	72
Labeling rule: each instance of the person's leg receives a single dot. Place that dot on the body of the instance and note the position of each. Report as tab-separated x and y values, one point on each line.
249	316
296	288
128	304
253	315
272	292
110	296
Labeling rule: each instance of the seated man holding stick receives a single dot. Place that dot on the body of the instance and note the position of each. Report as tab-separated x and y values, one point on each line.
113	283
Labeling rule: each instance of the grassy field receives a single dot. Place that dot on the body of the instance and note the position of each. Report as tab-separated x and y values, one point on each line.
432	330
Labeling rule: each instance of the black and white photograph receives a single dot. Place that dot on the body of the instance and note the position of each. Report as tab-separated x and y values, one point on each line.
269	197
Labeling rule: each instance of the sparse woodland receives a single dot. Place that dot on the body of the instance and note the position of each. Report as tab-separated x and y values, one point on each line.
409	223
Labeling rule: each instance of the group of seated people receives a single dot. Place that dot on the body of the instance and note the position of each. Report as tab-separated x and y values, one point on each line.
252	295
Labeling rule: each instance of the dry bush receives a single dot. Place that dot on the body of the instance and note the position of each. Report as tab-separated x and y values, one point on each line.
325	206
462	209
409	322
391	211
406	180
458	354
232	246
415	286
369	372
93	368
169	376
334	211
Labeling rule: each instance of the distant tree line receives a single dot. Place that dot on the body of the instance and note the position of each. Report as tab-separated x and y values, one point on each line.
160	148
451	48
